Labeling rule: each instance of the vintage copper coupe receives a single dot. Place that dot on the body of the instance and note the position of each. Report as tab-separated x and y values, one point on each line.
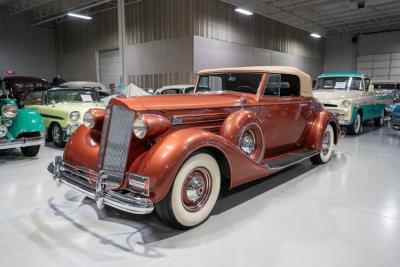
171	152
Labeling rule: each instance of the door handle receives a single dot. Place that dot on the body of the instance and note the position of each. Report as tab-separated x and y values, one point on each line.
303	105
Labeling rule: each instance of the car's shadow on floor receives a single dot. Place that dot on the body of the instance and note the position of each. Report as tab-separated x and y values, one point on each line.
14	155
152	229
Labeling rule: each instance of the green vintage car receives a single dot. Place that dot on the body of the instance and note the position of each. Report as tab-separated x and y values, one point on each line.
352	97
62	109
20	128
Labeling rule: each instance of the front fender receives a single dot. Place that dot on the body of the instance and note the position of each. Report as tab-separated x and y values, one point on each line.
26	121
163	161
324	118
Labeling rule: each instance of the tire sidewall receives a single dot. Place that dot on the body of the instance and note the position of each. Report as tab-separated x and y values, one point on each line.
182	216
328	156
357	131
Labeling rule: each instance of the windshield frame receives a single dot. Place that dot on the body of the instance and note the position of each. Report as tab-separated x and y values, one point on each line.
73	89
348	82
197	88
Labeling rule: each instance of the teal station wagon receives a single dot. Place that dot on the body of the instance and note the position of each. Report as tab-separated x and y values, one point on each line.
352	97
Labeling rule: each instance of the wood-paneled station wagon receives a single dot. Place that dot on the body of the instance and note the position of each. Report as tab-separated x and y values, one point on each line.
171	152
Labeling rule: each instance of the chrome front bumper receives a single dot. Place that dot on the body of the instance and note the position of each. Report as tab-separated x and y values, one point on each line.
78	178
22	142
340	114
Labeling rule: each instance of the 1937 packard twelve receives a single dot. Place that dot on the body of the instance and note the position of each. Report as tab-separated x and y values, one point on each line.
171	152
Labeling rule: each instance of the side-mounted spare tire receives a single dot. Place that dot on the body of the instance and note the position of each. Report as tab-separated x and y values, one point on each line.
243	129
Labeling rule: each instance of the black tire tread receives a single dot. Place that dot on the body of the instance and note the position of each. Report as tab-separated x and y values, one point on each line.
30	151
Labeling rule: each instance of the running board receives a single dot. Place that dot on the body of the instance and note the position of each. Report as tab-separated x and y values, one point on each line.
290	159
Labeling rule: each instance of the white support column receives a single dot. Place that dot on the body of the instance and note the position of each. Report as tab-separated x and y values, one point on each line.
122	40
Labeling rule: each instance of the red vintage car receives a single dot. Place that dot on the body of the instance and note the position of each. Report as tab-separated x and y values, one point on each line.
171	152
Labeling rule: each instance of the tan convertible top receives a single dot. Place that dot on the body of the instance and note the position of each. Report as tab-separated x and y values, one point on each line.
305	80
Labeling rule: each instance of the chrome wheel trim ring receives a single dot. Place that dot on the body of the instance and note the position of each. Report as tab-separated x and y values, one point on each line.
247	142
196	189
56	134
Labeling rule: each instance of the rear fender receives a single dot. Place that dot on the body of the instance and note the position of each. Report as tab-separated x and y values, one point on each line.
163	161
324	118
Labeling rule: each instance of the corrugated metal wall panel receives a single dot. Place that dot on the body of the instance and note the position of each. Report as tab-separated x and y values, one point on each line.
161	79
152	20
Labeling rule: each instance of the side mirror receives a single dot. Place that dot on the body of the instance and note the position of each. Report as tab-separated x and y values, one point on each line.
371	89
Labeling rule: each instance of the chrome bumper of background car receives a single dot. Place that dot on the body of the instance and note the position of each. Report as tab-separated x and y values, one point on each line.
340	114
78	179
21	142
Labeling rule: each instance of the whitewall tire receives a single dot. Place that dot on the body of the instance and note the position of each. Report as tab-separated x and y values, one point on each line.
193	194
356	127
328	141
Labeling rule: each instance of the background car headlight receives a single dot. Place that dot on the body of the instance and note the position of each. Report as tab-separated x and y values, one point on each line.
3	131
88	119
388	109
1	92
346	103
9	111
74	116
139	128
7	92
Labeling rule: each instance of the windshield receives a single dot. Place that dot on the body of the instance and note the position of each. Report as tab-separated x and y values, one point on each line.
72	95
340	83
236	82
388	86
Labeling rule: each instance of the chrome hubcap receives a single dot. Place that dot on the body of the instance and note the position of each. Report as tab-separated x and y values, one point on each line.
56	134
248	142
326	143
196	189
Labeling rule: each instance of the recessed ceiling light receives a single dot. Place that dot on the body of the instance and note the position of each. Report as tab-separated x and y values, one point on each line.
79	16
243	11
315	35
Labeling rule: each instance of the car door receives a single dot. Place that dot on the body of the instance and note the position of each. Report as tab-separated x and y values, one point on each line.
285	114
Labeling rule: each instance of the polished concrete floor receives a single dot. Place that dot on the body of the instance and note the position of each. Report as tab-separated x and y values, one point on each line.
345	213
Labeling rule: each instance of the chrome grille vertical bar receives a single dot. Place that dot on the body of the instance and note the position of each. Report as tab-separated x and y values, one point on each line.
115	140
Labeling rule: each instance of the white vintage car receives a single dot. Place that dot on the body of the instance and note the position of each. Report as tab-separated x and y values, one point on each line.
352	97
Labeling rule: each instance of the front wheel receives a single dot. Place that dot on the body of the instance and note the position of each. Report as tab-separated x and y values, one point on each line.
378	122
30	151
327	147
57	135
356	127
193	194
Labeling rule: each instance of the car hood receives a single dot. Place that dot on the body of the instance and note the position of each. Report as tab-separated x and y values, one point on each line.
336	94
82	107
183	101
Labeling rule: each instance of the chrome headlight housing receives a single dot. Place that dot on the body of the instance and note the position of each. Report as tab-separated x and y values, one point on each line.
88	119
346	103
9	111
139	128
388	109
74	116
3	131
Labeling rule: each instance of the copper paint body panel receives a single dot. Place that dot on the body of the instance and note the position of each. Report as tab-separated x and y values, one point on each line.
192	122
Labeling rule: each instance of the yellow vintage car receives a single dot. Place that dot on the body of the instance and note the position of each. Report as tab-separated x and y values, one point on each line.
62	110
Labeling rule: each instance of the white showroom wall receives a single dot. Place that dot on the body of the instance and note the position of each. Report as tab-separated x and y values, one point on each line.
26	50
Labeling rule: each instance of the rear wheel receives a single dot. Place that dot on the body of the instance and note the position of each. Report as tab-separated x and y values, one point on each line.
378	122
327	147
30	151
193	194
356	127
57	135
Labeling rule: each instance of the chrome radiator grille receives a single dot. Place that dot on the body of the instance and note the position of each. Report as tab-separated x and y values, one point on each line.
115	139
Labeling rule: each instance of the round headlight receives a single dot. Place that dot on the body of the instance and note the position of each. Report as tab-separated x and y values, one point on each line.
74	116
388	109
9	111
88	119
139	128
3	131
7	92
346	103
